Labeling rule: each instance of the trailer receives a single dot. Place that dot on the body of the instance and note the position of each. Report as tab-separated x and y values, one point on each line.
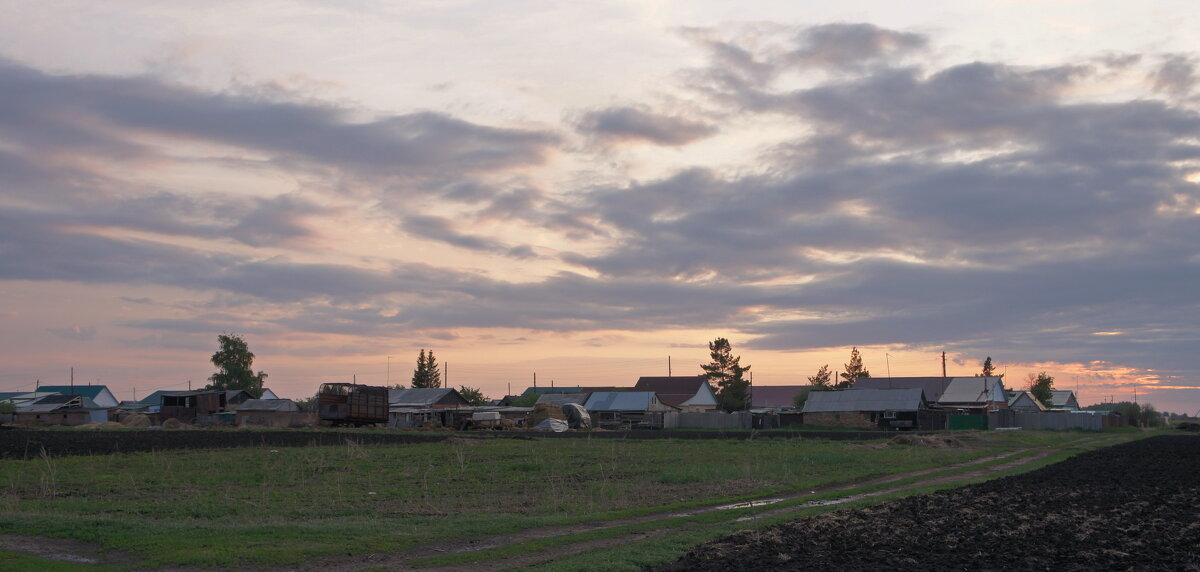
352	404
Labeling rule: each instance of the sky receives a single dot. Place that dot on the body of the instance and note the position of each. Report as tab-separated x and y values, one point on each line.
587	193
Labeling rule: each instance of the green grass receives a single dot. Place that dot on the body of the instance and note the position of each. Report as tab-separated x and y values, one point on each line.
275	507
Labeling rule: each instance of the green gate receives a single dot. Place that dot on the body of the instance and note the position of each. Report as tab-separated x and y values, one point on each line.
967	422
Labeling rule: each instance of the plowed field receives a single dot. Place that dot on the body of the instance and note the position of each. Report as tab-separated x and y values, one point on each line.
1134	506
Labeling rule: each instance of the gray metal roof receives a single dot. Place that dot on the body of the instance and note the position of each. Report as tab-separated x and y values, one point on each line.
620	401
974	390
845	400
932	386
564	398
283	405
420	396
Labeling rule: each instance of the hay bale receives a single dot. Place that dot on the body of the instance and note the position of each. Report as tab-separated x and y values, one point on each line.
542	412
111	425
172	423
137	420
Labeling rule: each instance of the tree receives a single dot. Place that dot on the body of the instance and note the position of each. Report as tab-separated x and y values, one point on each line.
233	361
854	370
726	372
823	379
427	373
1042	387
799	400
473	395
988	369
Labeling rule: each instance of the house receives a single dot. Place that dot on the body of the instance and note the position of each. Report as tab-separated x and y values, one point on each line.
235	397
60	409
690	394
975	394
1063	400
776	397
268	394
273	413
426	397
627	410
1025	402
871	409
99	394
932	387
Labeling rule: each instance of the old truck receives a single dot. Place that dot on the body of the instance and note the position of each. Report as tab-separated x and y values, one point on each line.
352	404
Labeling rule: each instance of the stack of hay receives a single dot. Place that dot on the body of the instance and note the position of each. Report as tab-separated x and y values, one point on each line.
542	412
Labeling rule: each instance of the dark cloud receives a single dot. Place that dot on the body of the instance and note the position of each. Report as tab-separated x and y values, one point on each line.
99	115
1176	76
851	45
443	230
624	124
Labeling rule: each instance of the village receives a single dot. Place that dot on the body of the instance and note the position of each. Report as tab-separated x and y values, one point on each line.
651	403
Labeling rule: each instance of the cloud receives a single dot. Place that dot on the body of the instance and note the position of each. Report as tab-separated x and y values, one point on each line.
1176	76
632	124
847	45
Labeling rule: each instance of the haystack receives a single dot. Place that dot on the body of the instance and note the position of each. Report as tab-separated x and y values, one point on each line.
173	423
136	420
542	412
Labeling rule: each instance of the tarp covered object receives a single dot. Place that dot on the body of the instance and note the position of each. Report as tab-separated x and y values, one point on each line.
577	416
551	424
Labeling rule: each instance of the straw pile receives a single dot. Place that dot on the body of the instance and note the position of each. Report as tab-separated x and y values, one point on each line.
172	423
137	420
543	411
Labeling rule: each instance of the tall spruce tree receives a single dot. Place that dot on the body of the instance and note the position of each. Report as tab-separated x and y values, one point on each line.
854	370
988	368
427	374
1042	387
822	380
727	373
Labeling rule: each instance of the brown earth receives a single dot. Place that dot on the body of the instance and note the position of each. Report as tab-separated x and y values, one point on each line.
1129	507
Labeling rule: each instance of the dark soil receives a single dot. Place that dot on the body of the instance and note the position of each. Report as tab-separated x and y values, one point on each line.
1134	506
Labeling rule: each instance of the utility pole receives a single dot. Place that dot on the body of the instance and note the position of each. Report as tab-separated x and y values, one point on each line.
73	382
943	364
668	366
535	379
389	371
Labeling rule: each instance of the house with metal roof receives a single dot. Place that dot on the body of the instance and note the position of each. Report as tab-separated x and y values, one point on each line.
273	413
1063	400
1025	402
99	394
690	394
871	409
975	393
932	387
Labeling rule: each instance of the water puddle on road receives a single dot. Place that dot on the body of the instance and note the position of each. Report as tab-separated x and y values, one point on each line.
750	504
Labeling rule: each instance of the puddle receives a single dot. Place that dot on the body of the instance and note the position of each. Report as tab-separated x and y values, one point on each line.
750	504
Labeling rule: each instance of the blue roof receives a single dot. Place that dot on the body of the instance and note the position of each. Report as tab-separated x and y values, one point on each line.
620	401
90	391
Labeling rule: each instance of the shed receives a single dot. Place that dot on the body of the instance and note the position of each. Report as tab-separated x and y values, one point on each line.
983	393
627	410
1024	401
560	399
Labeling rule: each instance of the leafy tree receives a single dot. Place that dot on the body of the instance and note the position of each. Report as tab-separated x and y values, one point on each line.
1150	417
396	386
528	399
726	372
1042	387
7	407
988	369
799	400
427	374
473	395
822	380
233	361
307	405
854	370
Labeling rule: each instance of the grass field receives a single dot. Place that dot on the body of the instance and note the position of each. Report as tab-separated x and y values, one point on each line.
278	507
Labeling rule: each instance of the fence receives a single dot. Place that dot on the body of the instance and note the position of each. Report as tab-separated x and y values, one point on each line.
1057	421
715	420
